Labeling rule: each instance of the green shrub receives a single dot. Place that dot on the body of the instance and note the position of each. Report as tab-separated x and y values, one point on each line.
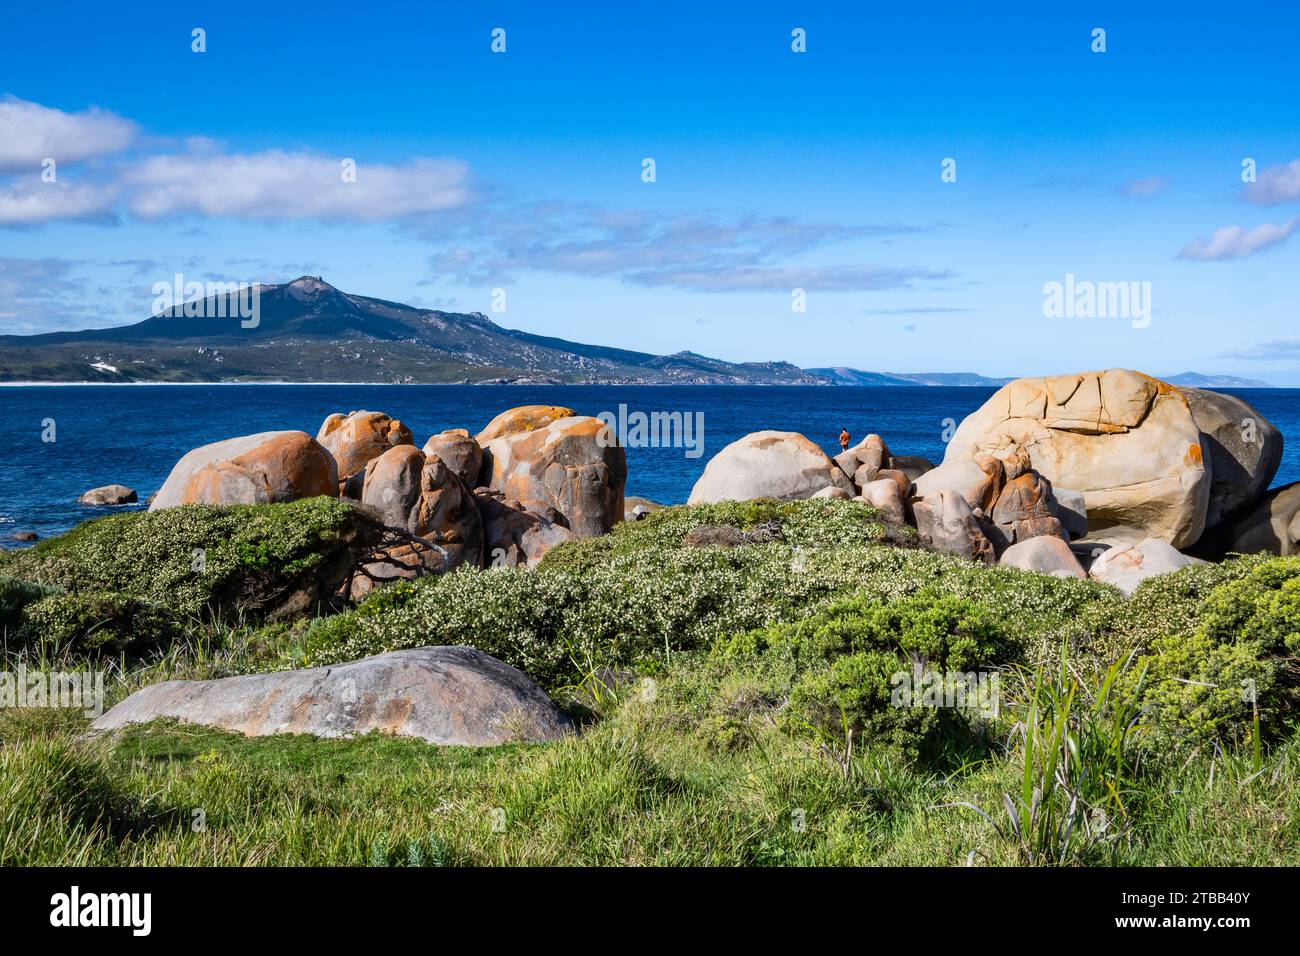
638	607
98	624
15	596
859	660
1241	652
202	559
800	524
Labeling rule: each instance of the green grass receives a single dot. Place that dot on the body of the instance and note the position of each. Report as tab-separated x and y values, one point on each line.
634	790
757	730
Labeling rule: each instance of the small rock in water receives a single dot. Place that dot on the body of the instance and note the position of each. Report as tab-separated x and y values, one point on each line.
108	495
25	536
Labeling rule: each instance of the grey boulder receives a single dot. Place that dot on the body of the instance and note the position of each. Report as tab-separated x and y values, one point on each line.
1245	451
979	480
1046	554
443	695
1128	565
1272	526
945	522
1071	510
108	495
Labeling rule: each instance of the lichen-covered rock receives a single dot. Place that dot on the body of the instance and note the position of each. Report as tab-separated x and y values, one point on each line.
1024	510
462	454
768	464
515	537
269	467
356	438
571	471
447	514
525	418
443	695
1128	442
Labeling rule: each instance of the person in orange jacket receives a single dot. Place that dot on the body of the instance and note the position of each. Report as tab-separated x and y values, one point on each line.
844	439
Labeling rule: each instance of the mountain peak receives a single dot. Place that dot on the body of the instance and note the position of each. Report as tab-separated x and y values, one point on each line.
307	287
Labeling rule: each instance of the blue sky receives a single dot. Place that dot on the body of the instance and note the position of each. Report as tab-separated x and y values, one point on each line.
775	170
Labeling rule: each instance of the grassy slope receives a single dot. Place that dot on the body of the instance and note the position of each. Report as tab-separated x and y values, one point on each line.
704	770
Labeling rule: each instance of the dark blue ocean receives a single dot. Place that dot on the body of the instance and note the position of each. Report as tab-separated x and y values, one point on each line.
132	435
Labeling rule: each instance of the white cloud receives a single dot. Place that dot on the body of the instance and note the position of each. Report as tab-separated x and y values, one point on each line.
30	133
1273	350
35	202
1238	242
1277	184
697	251
1145	188
277	185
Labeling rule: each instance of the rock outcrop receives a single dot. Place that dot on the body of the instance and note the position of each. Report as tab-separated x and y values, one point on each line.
1245	451
945	522
357	438
426	498
462	454
1128	565
768	464
254	469
1128	442
443	695
1045	554
108	495
1272	526
391	486
635	507
515	537
979	480
1024	510
570	471
525	418
883	495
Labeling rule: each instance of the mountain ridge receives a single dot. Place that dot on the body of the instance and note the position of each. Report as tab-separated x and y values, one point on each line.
309	331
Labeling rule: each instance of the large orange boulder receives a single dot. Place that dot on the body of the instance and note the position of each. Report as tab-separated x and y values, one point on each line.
426	498
571	471
254	469
515	537
356	438
525	418
1129	443
462	453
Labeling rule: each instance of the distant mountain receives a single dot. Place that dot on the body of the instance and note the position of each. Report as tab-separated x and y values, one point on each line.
1197	380
852	376
309	331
